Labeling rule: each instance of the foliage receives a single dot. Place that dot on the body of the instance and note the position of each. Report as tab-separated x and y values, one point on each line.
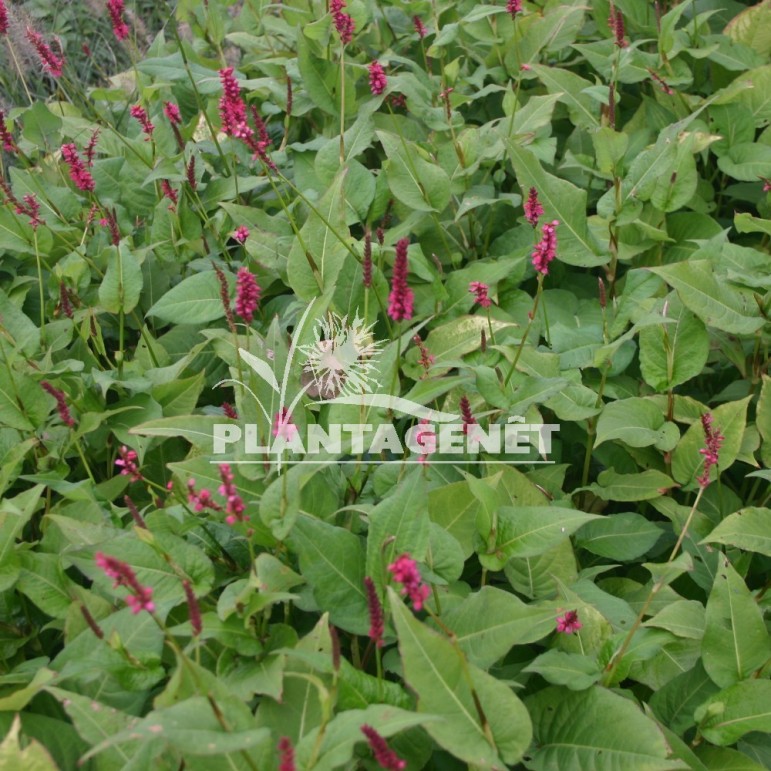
598	605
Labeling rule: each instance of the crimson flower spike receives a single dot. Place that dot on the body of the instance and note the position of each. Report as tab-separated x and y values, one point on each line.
376	622
401	299
386	758
713	440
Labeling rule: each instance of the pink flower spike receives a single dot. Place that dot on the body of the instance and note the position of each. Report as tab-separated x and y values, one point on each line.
247	295
128	464
426	438
283	426
344	24
201	500
376	622
377	79
78	172
235	505
3	18
466	414
232	106
286	754
52	64
405	571
616	21
546	249
713	440
240	234
171	111
116	9
193	608
386	758
533	208
61	403
401	298
420	28
140	114
480	290
6	138
569	623
514	7
229	410
123	575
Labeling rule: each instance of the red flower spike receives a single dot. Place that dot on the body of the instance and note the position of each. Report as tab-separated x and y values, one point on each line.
401	299
376	621
386	758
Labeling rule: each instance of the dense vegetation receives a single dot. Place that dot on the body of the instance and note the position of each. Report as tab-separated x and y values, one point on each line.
521	214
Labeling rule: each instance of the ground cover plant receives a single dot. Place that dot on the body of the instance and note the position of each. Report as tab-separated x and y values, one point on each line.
226	226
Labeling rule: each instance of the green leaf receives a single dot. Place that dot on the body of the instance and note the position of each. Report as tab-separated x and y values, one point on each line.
716	304
418	184
530	531
673	353
747	161
580	731
621	537
573	670
675	703
637	422
446	686
195	300
332	560
736	642
562	201
746	529
313	272
122	282
735	711
319	77
569	89
454	508
34	757
490	622
398	524
612	486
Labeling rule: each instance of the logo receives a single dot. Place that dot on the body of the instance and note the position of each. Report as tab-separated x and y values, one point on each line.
343	367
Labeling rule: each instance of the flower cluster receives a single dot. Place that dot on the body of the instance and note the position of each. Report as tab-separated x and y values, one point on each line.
61	403
376	621
533	208
6	138
247	295
569	623
170	193
426	439
171	111
128	464
466	415
116	9
713	440
401	299
514	7
123	575
229	410
283	427
616	21
377	79
480	291
235	505
3	19
420	28
201	499
241	233
193	608
140	114
546	249
29	207
405	572
426	357
286	754
78	172
386	758
52	64
366	260
343	22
